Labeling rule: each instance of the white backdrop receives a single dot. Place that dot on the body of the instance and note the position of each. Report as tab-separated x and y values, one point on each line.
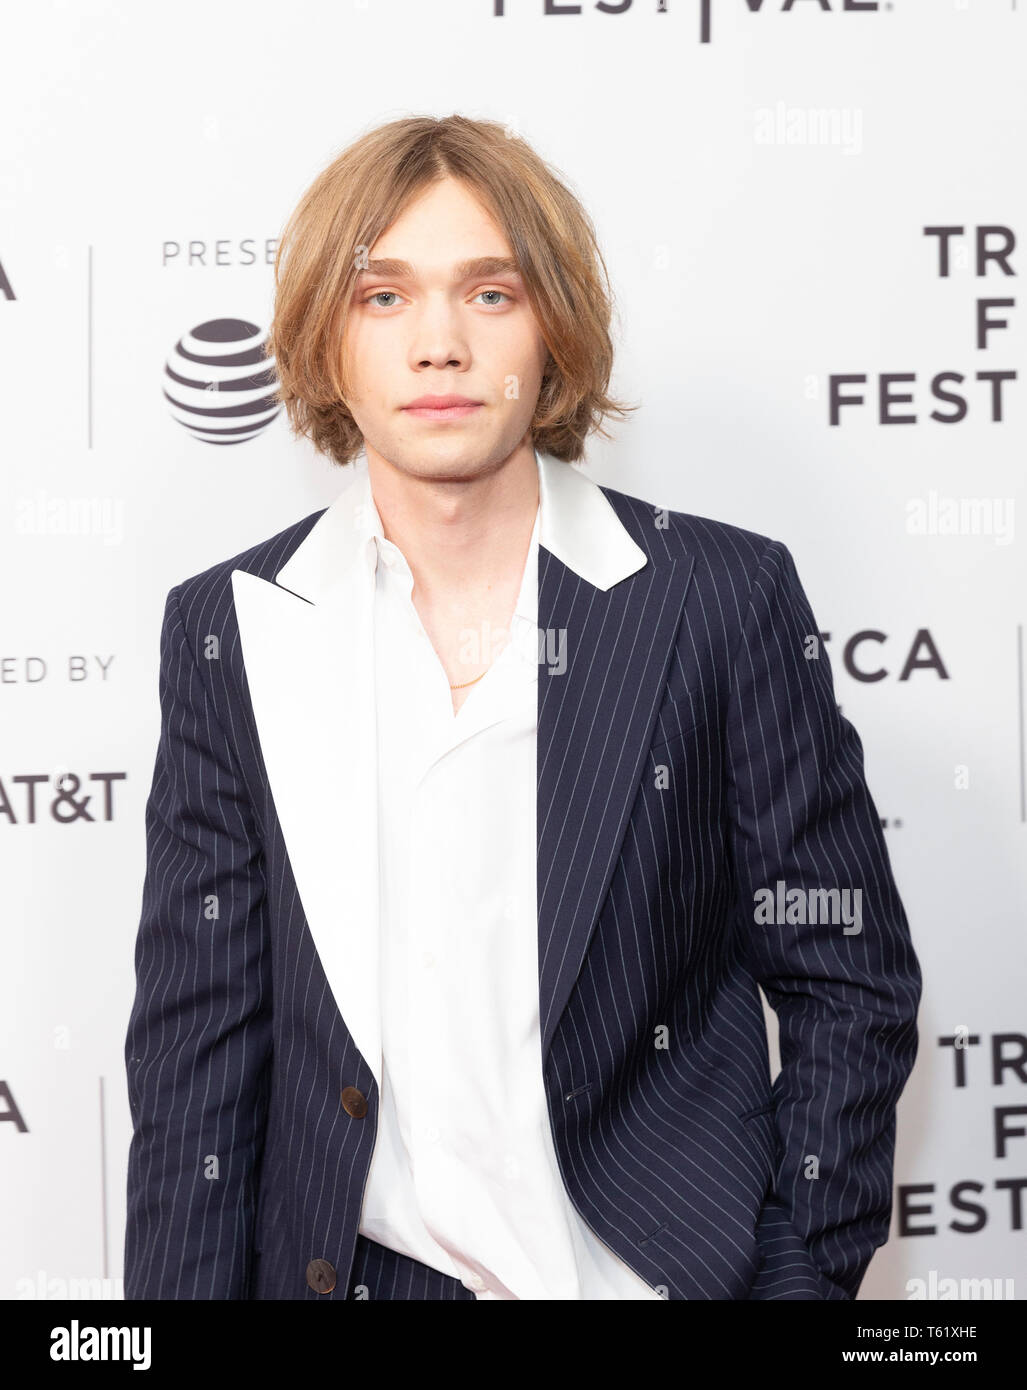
762	190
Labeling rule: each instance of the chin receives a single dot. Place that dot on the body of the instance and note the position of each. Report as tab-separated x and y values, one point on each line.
446	459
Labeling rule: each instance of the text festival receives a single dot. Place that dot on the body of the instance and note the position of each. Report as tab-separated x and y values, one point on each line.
916	1203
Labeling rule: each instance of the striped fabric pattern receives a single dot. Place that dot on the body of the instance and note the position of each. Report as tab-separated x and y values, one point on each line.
690	754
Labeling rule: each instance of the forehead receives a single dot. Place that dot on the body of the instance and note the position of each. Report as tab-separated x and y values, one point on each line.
443	226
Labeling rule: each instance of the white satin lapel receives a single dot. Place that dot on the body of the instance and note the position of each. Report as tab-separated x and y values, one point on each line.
310	668
308	650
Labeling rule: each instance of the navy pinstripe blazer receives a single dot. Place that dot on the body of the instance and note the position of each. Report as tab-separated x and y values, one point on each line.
690	755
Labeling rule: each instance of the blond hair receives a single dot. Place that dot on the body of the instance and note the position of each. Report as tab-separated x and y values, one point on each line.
358	197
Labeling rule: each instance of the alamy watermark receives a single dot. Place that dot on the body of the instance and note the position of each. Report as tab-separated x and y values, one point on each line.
783	906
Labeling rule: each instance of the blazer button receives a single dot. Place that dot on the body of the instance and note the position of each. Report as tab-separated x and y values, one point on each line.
321	1276
353	1102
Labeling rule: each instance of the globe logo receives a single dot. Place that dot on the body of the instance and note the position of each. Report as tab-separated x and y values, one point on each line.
220	384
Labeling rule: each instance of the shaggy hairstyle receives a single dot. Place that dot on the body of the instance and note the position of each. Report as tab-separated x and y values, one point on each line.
358	197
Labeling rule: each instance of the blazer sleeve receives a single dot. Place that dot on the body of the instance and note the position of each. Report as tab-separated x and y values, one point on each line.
199	1035
846	1001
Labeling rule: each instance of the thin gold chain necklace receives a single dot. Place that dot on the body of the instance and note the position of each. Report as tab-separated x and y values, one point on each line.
467	683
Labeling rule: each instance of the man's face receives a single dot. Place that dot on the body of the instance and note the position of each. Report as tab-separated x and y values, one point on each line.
443	328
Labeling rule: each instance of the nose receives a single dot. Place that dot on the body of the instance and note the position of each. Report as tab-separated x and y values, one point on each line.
437	337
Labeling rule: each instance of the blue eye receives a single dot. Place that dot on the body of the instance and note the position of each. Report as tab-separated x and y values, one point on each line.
378	295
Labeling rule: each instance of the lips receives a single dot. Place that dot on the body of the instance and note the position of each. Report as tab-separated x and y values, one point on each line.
439	402
442	407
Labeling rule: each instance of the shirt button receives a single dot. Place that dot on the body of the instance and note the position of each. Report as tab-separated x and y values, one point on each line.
429	959
432	1134
474	1281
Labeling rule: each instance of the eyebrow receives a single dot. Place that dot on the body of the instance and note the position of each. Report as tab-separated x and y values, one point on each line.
482	268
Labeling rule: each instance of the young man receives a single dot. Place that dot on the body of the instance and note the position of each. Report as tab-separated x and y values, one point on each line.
471	796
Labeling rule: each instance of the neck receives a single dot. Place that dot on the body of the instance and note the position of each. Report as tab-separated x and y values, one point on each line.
458	534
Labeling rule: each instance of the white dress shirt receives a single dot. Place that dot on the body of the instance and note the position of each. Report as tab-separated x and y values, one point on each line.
464	1175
